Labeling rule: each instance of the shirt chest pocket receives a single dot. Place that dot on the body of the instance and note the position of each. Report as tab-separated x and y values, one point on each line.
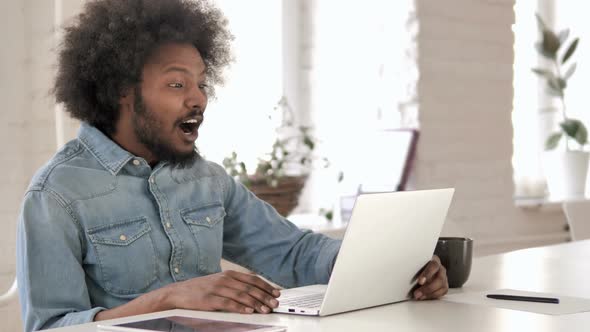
126	256
206	226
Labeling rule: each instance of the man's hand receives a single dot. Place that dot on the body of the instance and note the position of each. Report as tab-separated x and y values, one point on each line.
433	281
230	291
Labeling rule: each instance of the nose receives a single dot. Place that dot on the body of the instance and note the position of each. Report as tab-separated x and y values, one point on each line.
197	99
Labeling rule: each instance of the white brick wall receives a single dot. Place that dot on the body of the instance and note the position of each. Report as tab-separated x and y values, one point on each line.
465	95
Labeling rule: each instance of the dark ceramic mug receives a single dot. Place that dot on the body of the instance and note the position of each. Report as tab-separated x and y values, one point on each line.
455	255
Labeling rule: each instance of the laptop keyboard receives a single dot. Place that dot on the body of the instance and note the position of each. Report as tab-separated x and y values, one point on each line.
303	301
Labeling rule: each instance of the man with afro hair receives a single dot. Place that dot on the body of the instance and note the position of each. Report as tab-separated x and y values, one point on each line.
128	218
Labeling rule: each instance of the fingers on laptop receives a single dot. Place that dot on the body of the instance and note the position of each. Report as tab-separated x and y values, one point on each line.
229	299
430	271
433	281
254	281
225	291
251	291
432	290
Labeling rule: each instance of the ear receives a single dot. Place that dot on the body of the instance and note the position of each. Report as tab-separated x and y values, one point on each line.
126	102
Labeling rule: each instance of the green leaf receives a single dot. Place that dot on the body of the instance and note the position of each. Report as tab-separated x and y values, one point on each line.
328	214
582	135
277	144
554	92
557	83
541	50
552	141
304	129
556	86
550	43
548	74
570	50
576	130
308	142
243	168
570	127
570	71
263	167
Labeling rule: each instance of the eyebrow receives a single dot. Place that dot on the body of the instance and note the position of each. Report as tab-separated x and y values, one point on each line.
183	70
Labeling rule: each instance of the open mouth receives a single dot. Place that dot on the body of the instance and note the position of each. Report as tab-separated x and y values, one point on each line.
189	127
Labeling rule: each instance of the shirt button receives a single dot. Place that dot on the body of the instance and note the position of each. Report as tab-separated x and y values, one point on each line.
168	225
122	237
136	162
208	219
152	180
176	270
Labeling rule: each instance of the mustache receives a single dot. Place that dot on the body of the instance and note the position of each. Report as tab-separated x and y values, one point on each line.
191	115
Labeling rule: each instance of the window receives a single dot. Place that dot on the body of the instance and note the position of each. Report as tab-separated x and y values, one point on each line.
533	118
363	80
528	136
238	118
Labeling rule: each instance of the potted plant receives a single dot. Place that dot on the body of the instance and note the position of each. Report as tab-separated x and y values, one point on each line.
280	175
565	169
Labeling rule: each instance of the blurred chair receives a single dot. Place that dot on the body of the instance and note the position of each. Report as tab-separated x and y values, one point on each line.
390	158
577	214
409	158
9	295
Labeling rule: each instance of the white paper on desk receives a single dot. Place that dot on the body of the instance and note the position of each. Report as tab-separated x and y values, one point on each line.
566	305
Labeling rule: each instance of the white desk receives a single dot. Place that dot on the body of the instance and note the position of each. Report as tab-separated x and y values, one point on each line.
563	269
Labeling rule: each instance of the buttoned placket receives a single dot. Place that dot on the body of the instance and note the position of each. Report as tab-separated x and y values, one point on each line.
176	250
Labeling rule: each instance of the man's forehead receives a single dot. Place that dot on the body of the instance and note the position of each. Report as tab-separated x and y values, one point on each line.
175	67
170	55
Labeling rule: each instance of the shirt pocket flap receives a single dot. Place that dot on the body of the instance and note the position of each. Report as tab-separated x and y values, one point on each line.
121	233
207	216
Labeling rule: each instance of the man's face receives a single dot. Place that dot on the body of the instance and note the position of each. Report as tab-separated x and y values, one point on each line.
169	106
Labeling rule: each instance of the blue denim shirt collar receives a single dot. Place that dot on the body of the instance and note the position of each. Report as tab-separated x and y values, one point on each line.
108	153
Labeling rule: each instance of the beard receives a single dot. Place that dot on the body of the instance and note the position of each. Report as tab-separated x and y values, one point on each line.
148	130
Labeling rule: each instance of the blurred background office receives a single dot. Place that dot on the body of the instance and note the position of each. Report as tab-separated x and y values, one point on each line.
456	71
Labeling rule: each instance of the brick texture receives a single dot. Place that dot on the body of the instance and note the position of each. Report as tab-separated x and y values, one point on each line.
465	95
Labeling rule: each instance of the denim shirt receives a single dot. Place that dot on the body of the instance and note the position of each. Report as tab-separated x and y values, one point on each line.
98	227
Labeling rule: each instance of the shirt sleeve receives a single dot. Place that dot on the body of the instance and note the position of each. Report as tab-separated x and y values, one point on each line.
257	237
51	279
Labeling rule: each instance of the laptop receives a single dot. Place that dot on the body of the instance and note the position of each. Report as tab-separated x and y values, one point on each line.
390	237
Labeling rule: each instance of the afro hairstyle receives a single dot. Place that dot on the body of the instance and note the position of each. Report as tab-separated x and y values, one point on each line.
106	46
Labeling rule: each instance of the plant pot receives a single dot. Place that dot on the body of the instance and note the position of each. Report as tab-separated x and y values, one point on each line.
284	197
566	173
